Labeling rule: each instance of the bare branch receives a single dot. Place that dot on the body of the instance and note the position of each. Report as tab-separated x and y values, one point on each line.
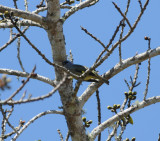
12	40
117	69
99	112
113	132
33	119
26	5
95	38
122	31
24	14
6	119
25	74
120	41
140	4
36	98
120	115
124	16
110	42
18	54
60	134
75	8
20	88
67	137
149	69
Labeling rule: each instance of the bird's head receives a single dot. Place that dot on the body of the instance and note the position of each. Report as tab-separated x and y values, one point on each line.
65	62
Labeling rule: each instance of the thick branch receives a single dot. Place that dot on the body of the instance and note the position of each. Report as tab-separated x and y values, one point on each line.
23	14
117	69
120	115
25	74
19	23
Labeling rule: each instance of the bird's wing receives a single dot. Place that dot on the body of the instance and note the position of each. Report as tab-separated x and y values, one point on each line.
80	68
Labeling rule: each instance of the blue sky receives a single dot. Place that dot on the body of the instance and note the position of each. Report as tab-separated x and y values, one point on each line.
101	20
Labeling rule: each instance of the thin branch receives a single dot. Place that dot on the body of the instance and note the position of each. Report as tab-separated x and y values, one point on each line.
149	69
60	134
26	5
120	41
99	112
122	31
124	16
20	88
135	78
110	42
6	119
95	38
77	7
140	4
34	119
120	115
12	40
18	54
41	9
127	84
29	42
15	4
113	132
67	137
36	98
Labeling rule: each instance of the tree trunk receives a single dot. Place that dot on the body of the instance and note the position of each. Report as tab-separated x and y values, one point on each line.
70	104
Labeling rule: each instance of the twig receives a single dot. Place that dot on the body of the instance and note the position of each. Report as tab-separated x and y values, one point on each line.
67	137
15	4
20	88
135	78
18	54
6	119
114	131
86	31
140	4
36	98
110	42
133	85
79	6
122	30
60	134
33	46
33	119
119	10
120	41
127	84
41	4
149	69
99	112
26	5
13	39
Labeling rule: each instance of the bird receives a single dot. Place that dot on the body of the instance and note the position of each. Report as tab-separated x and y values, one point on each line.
79	70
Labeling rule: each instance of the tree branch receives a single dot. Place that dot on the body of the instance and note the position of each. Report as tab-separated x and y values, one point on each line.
120	115
117	69
25	74
75	8
35	118
24	14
